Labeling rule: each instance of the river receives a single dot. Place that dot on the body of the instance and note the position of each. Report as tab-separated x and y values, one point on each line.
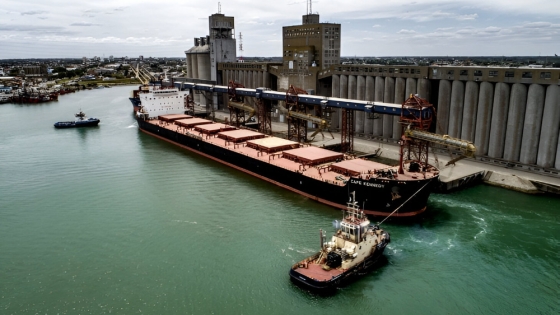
109	220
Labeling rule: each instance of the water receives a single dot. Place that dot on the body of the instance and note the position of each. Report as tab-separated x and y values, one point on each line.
109	220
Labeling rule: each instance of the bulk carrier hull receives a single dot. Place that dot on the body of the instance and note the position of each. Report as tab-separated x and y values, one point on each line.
379	196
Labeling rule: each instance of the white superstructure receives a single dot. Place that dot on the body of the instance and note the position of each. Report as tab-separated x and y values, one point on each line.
5	97
162	101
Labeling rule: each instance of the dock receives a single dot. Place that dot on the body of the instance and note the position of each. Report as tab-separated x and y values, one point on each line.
463	174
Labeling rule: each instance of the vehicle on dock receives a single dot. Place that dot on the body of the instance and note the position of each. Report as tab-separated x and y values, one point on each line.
352	251
80	121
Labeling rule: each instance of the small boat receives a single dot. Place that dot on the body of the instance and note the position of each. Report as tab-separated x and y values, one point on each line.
5	98
81	121
352	250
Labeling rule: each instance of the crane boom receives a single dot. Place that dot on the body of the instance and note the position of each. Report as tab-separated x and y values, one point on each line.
142	74
466	147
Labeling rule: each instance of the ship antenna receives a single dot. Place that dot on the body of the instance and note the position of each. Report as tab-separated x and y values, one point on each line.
241	46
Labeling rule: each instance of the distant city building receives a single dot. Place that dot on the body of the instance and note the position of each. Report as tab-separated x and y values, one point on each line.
35	71
84	60
104	71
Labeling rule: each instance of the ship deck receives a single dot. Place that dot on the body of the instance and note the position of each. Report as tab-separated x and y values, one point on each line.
320	164
173	117
213	128
316	272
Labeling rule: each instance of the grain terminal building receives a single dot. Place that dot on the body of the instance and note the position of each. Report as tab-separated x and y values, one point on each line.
511	114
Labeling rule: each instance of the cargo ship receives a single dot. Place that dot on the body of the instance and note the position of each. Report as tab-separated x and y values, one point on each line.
317	173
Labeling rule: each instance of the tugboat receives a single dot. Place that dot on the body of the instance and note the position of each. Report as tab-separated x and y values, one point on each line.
81	121
352	250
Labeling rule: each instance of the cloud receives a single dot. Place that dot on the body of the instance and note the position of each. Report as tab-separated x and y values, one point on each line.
33	12
492	29
84	24
142	41
28	28
425	16
537	25
403	31
467	17
479	26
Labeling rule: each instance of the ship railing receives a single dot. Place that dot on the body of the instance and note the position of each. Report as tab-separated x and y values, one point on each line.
240	144
275	155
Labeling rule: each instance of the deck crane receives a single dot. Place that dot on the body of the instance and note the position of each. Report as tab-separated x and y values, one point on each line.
298	116
416	139
236	105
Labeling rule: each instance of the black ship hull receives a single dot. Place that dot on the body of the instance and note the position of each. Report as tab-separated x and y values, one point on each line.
380	197
135	103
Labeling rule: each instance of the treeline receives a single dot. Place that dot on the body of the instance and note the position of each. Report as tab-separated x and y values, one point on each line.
63	73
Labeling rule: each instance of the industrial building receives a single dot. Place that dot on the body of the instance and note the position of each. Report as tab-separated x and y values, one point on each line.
511	114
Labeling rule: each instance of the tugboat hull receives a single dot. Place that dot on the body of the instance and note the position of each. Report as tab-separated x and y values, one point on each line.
330	285
92	122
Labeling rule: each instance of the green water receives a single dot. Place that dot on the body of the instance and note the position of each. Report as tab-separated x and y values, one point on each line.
109	220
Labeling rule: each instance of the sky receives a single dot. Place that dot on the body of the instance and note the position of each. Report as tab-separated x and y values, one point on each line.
162	28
